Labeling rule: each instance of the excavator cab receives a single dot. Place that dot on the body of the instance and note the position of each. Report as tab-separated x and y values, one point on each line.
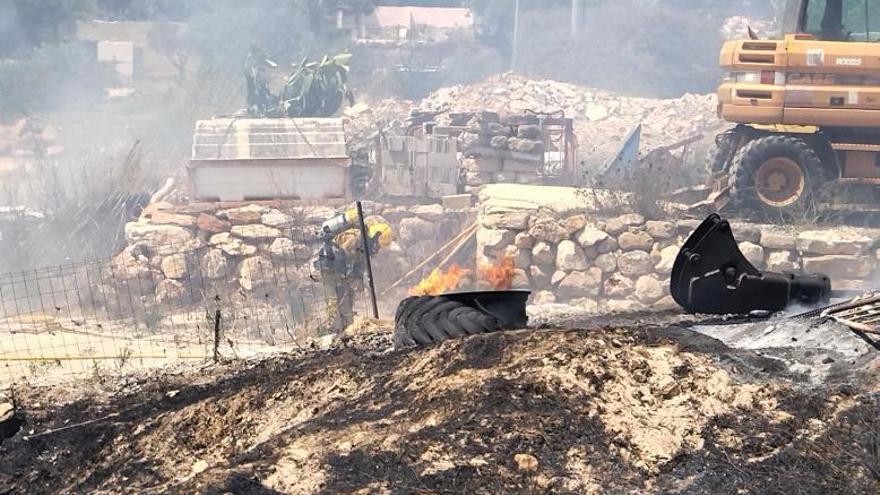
806	109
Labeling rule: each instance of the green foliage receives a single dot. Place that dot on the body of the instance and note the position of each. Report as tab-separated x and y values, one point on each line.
318	89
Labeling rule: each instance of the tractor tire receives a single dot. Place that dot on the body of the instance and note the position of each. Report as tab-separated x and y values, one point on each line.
776	176
722	154
429	320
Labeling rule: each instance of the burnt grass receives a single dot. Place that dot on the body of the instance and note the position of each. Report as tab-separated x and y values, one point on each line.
216	413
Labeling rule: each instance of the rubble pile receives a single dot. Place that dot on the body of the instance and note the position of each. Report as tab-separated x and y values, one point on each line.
602	119
737	28
502	150
567	249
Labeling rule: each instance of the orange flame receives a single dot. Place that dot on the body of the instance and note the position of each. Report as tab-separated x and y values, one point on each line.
439	282
499	276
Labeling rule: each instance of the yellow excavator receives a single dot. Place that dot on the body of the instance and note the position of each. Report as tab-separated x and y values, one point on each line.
807	109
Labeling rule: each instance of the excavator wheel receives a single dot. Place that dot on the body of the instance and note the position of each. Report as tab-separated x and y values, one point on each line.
723	152
427	320
776	175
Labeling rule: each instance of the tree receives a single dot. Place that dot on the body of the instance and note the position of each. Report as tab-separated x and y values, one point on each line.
25	24
169	40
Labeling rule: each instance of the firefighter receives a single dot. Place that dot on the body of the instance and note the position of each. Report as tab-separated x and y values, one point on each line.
341	262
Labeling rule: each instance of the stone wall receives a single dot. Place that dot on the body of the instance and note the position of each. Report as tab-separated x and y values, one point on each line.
566	250
254	243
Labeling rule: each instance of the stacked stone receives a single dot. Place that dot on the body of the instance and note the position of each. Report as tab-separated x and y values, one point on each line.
623	263
502	150
171	247
245	243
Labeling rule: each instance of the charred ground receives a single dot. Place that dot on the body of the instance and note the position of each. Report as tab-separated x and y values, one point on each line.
613	408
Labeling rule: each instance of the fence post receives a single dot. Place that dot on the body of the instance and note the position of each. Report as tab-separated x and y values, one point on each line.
372	286
217	336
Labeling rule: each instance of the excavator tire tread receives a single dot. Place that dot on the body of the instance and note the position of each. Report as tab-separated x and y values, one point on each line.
429	320
757	151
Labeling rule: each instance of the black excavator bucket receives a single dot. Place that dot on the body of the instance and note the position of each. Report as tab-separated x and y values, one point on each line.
711	276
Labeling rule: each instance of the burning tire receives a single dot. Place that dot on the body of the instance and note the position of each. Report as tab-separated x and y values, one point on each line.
776	173
428	320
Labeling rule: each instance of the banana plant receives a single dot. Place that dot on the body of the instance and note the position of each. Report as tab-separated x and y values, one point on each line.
318	89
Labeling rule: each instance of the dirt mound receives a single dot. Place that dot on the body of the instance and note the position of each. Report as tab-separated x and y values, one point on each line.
624	410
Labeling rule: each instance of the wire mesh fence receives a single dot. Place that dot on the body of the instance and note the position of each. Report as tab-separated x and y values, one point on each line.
154	304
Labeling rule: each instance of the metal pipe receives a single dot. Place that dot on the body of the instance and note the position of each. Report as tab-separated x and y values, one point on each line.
515	36
366	242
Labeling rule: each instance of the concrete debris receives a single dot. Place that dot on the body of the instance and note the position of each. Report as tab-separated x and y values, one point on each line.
526	462
602	119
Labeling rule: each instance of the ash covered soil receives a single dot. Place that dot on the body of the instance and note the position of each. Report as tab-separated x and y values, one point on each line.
616	407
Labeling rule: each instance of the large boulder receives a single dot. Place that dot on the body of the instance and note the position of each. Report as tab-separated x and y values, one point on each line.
753	252
849	267
132	263
499	218
621	224
520	280
785	261
159	236
255	232
432	213
606	262
667	260
635	264
542	254
649	289
256	272
170	291
778	240
835	242
582	283
540	276
277	219
574	223
592	237
495	240
213	264
570	257
660	230
618	286
608	246
524	241
286	249
543	297
746	232
635	241
244	215
175	266
211	224
232	246
617	306
166	218
547	229
522	257
414	229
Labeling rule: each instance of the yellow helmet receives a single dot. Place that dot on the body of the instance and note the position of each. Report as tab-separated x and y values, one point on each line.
383	230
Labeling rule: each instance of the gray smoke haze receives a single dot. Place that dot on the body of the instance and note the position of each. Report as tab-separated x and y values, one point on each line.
130	145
